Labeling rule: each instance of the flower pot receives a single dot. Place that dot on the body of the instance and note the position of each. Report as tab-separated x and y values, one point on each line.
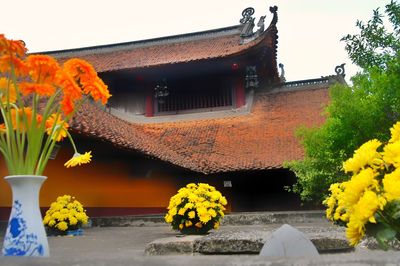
194	230
25	235
73	232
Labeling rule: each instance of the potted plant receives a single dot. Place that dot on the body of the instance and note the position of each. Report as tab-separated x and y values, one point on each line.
196	209
66	216
38	97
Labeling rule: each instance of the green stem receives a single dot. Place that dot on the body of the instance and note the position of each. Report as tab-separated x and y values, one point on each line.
72	142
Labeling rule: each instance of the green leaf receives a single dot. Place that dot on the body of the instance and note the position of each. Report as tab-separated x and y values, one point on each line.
385	235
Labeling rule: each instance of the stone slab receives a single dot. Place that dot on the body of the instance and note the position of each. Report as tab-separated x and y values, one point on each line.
172	245
232	242
242	241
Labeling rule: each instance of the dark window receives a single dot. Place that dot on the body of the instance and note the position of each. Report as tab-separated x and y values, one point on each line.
202	94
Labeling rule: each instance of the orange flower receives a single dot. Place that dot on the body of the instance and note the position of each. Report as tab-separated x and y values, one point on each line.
7	89
12	47
6	61
3	43
40	89
80	70
17	47
23	117
85	75
67	105
58	131
98	90
42	68
70	88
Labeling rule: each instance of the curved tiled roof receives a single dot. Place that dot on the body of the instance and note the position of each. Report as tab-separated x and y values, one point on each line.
213	44
262	139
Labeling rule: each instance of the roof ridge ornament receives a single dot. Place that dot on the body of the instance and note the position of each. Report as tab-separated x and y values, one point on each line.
274	11
247	22
282	76
340	70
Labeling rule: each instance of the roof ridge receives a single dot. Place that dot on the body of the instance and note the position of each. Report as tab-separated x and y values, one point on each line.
152	41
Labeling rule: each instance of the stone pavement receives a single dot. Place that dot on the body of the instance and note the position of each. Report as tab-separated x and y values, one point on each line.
126	246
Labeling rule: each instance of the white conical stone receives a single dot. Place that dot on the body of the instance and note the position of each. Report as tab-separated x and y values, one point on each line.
287	241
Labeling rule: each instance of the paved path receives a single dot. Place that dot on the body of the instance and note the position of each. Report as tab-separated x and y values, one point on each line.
125	246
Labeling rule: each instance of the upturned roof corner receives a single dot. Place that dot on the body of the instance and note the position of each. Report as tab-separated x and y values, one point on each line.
247	33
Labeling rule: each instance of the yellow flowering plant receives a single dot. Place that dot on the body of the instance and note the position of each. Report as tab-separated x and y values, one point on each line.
38	98
64	215
196	209
369	203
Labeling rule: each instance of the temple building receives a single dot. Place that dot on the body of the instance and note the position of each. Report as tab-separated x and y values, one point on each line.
210	107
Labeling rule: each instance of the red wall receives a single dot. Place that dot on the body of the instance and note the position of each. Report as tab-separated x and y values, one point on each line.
104	187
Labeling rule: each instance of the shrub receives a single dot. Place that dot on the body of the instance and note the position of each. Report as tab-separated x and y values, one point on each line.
64	215
196	209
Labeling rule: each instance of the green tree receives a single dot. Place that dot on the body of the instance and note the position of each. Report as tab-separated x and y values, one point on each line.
375	45
364	111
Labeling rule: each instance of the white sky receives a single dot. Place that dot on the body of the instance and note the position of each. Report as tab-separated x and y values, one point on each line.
309	30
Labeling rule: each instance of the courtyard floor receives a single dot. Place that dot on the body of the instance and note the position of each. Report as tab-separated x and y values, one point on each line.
126	245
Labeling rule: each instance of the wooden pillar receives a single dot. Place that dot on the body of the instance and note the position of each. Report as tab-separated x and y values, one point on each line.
149	103
239	92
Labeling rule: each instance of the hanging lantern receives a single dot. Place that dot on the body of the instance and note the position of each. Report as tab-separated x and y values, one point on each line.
161	91
251	77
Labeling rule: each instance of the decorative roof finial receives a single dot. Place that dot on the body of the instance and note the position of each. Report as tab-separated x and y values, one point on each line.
247	13
260	25
248	22
274	11
340	70
282	76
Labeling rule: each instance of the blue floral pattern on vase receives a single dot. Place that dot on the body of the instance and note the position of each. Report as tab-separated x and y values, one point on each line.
17	241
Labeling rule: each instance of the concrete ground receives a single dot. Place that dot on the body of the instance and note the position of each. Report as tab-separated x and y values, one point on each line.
126	245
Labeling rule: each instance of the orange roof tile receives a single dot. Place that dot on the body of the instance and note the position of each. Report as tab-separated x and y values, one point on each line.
262	139
170	50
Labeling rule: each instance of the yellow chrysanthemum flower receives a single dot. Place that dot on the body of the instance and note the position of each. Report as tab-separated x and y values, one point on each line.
51	223
168	218
79	159
366	207
216	225
391	154
357	185
62	226
223	201
191	214
395	133
365	155
212	213
354	232
72	220
182	211
58	131
391	185
188	223
204	218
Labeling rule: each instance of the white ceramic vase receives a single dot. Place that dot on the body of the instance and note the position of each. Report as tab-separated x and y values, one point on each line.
25	235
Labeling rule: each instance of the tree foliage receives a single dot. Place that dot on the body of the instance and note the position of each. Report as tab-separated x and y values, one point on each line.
355	114
375	45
